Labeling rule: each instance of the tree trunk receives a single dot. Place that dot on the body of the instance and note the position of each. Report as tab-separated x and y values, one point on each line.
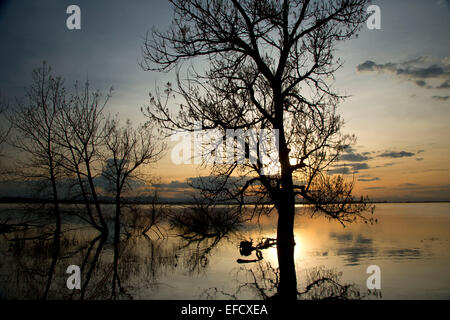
117	220
287	288
115	278
85	198
94	196
56	236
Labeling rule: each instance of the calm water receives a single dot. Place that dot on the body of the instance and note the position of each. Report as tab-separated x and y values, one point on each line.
410	244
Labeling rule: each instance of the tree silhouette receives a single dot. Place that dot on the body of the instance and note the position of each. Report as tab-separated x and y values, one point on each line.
35	125
81	132
127	150
263	64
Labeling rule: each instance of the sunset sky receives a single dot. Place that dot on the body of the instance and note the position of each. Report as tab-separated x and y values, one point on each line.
398	79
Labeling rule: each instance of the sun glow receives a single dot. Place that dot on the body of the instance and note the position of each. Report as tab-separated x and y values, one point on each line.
299	252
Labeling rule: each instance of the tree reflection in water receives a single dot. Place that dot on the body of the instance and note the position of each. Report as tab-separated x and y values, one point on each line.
133	267
263	281
35	269
204	229
201	229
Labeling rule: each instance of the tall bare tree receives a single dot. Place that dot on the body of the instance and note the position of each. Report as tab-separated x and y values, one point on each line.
35	125
81	132
127	150
264	65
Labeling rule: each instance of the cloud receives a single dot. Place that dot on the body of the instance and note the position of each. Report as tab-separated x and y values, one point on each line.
413	70
354	157
408	185
343	170
419	159
392	154
369	179
433	71
348	168
444	85
421	83
374	188
440	98
351	162
389	164
370	66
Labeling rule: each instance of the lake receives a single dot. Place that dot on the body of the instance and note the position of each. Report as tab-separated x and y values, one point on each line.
409	243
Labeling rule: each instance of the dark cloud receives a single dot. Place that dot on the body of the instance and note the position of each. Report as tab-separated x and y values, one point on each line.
419	159
433	71
359	166
348	168
444	85
412	72
374	188
421	83
356	157
369	179
440	98
370	66
389	164
406	68
392	154
343	170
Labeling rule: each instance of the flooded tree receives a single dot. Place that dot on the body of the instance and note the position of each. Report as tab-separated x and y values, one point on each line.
34	122
81	132
127	149
263	65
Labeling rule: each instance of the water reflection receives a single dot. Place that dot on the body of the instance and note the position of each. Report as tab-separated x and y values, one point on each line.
246	248
321	284
403	253
353	249
220	256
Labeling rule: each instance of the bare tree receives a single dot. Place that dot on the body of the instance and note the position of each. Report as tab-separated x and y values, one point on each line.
269	66
81	132
127	150
34	123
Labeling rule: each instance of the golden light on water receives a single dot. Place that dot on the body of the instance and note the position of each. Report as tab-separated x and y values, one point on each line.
299	248
299	252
